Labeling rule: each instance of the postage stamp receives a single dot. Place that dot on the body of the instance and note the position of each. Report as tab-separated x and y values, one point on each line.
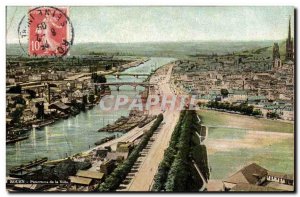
48	31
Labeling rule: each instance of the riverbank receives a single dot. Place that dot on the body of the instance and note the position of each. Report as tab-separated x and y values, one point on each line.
143	178
21	133
132	64
69	127
130	133
17	131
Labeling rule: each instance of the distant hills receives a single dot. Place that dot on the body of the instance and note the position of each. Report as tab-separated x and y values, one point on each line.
175	49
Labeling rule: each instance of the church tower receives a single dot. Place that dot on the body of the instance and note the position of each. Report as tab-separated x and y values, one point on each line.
276	54
289	51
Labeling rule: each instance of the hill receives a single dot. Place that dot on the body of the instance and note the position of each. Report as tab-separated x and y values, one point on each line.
174	49
268	51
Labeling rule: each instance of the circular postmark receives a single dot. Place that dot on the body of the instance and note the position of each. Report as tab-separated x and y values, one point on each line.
46	31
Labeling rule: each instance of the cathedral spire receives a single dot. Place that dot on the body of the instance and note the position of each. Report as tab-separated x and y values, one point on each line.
289	36
289	55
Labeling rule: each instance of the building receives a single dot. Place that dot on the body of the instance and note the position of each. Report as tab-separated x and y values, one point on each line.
61	107
76	182
276	54
279	177
277	63
96	176
124	147
289	45
86	180
251	174
256	178
107	167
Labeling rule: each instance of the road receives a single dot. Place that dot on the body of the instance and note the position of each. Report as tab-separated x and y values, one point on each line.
201	175
143	179
193	161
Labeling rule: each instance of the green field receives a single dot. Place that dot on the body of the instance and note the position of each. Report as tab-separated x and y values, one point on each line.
235	141
215	118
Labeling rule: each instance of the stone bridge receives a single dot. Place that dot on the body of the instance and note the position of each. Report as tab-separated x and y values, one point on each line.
119	84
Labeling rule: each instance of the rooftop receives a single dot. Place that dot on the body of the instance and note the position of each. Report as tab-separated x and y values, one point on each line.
90	174
80	180
249	174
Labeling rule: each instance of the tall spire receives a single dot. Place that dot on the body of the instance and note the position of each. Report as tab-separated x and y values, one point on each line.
289	36
289	55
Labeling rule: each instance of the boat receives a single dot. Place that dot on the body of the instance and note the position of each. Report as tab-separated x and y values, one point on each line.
26	128
15	139
15	131
64	116
28	165
106	139
42	124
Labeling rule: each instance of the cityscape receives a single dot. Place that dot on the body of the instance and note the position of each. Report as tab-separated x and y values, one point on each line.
150	109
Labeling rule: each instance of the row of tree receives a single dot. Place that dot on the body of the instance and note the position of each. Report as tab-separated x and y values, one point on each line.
176	172
113	181
272	115
169	156
243	108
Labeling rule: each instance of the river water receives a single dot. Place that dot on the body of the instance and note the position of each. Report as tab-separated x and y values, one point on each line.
79	133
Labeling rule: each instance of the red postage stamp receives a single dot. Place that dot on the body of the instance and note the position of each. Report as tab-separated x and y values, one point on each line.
48	31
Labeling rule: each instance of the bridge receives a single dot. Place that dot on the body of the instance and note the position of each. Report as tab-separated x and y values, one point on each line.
118	84
136	75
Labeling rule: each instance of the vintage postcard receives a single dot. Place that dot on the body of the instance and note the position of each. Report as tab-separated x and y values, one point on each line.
150	99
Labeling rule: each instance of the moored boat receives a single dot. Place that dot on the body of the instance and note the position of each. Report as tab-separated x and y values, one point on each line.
42	124
106	139
28	165
15	139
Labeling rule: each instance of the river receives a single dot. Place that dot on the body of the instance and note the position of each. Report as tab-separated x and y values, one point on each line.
79	133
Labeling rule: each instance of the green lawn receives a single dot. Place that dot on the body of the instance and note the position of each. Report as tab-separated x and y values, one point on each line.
276	154
219	118
226	133
277	157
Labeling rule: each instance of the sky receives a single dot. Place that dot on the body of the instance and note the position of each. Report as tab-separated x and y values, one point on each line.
162	24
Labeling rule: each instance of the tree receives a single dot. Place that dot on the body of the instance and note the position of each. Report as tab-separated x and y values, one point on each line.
19	100
15	89
16	115
98	78
91	98
108	67
41	112
272	115
32	93
257	112
113	181
224	92
84	99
